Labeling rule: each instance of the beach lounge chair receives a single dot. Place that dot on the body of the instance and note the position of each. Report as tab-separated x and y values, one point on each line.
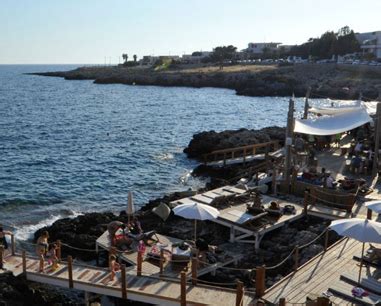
367	282
368	262
343	289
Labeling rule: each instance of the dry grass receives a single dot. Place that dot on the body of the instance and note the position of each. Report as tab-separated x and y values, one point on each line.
226	69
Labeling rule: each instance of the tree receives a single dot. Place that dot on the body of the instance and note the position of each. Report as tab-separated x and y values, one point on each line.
330	43
223	53
125	57
197	53
135	57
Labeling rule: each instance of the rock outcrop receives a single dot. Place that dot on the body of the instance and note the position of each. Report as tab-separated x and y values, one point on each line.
325	80
206	142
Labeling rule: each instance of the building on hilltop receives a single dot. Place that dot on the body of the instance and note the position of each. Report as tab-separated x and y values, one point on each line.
195	58
370	42
260	48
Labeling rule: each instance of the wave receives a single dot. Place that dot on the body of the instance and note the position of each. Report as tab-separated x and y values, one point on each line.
165	156
25	231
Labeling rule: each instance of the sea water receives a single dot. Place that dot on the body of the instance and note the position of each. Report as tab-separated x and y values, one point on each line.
68	147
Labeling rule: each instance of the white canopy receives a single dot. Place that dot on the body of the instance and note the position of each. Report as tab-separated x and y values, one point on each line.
362	230
374	205
331	125
341	107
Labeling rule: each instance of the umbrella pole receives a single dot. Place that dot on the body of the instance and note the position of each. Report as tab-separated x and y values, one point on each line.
362	256
195	229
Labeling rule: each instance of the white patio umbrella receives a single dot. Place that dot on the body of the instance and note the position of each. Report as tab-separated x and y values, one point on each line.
374	205
130	206
362	230
196	211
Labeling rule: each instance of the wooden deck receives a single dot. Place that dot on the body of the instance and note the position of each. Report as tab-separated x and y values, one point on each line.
318	275
212	196
139	288
172	268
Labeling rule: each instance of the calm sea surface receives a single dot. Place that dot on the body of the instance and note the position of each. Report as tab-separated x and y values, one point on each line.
68	147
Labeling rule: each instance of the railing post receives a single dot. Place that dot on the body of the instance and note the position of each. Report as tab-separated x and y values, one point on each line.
326	240
1	256
59	252
244	155
183	289
13	244
194	270
161	262
282	302
70	270
239	294
123	281
322	301
369	214
305	203
139	264
260	277
296	258
24	262
225	159
273	182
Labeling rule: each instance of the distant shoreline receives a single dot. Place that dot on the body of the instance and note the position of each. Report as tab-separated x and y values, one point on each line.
326	81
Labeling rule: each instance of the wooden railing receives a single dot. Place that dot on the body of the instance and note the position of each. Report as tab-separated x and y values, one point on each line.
183	281
242	152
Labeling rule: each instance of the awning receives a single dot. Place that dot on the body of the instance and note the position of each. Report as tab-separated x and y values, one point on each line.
331	125
342	107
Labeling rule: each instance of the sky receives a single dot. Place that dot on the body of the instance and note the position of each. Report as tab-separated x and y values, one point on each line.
99	31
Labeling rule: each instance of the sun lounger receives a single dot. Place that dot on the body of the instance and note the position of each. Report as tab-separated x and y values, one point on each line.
202	199
367	262
366	282
344	290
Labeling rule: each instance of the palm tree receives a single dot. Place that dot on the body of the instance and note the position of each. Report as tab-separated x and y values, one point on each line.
135	58
125	57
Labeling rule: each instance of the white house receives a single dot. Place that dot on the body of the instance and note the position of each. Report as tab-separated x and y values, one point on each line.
257	48
195	57
370	42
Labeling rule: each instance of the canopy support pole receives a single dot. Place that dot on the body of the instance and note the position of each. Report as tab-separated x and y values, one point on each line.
306	105
376	140
288	142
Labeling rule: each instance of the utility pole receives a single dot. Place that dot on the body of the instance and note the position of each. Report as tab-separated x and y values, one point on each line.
288	142
377	128
306	105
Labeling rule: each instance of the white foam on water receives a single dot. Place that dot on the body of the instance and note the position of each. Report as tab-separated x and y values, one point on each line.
165	156
25	232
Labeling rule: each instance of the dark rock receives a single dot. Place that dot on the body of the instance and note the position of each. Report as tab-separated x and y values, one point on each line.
206	142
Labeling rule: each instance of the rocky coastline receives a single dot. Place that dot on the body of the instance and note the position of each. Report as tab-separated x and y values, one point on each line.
79	234
330	80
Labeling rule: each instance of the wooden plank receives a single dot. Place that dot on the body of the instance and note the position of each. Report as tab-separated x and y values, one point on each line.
315	276
83	274
345	290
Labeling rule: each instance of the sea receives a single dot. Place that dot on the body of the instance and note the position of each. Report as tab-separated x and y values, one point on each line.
70	147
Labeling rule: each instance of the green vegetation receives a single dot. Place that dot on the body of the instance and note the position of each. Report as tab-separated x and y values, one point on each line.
222	54
340	43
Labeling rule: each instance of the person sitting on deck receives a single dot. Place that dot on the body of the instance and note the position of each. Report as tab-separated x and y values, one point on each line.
135	227
257	206
358	148
330	182
274	205
121	240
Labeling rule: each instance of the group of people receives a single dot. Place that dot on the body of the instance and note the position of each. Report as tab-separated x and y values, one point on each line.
46	251
122	235
312	176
